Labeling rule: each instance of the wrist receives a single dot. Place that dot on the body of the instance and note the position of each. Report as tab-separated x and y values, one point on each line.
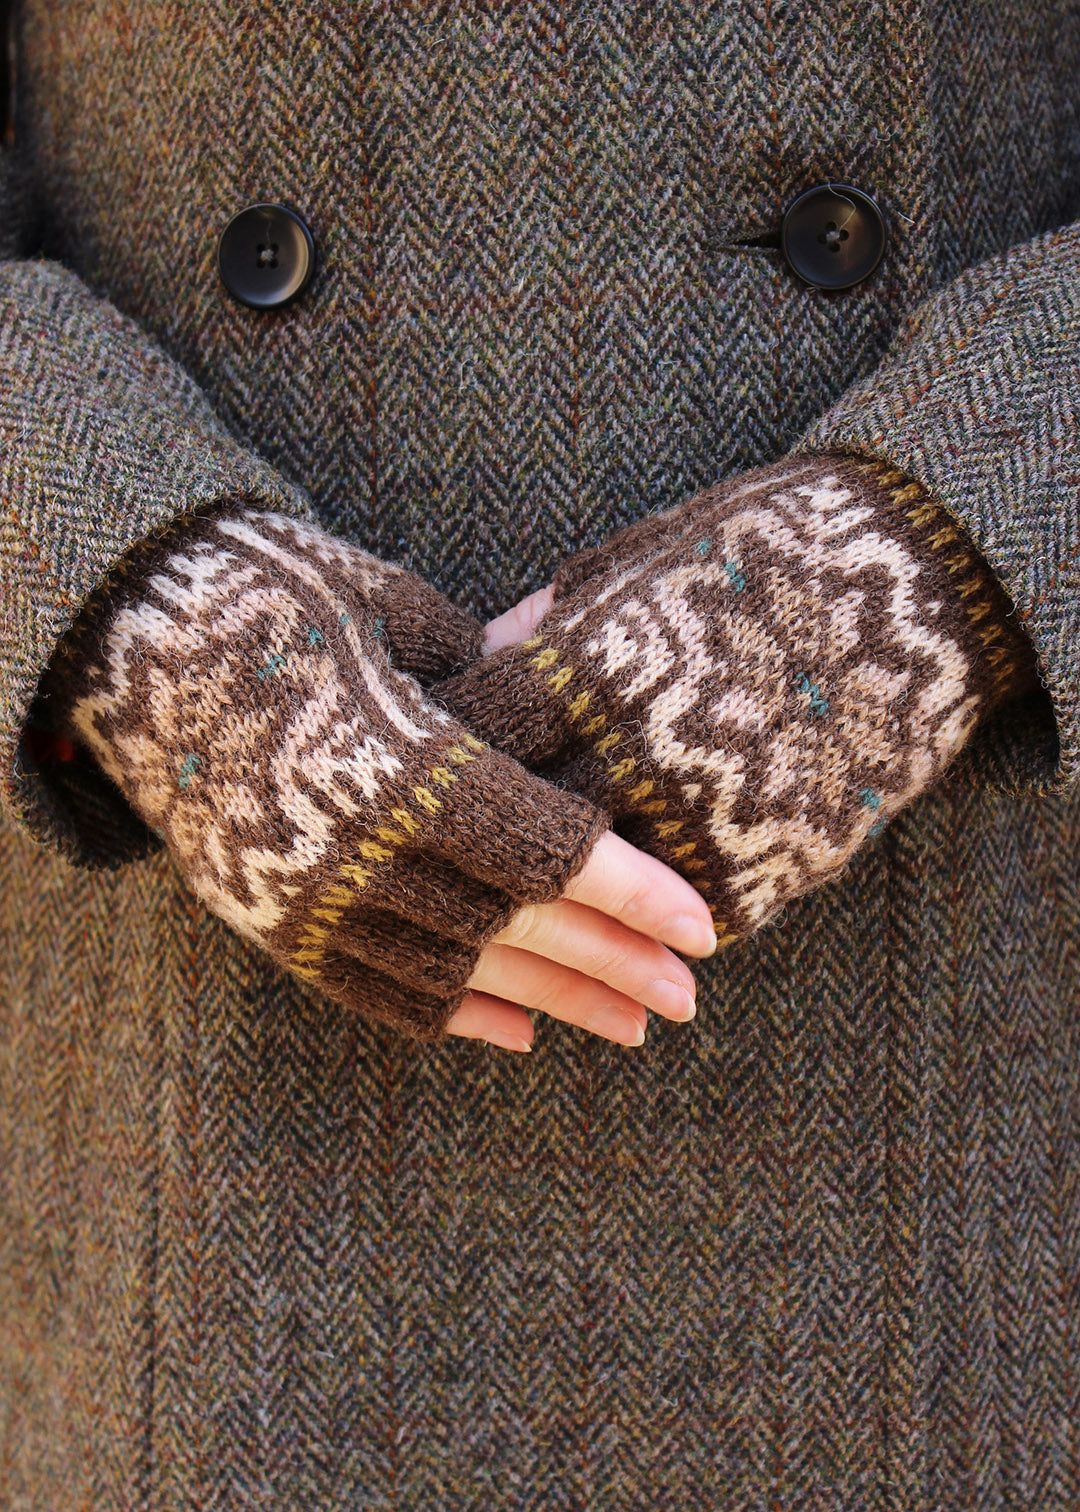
983	618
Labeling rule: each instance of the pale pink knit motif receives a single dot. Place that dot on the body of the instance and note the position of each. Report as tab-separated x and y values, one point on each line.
754	684
237	686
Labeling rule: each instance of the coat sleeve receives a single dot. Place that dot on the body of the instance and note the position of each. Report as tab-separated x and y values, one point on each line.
104	440
978	398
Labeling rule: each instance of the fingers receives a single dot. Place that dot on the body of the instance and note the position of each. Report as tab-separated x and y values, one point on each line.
601	948
518	623
593	957
518	976
645	895
481	1016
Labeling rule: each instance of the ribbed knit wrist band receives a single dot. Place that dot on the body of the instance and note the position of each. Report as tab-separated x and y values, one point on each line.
240	685
755	683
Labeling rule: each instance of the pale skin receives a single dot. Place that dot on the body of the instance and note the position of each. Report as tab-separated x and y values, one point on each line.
597	957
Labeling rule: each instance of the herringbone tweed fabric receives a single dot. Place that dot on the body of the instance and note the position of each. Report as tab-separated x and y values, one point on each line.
821	1247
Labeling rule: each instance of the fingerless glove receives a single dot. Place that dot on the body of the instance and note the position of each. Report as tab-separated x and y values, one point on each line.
755	683
240	683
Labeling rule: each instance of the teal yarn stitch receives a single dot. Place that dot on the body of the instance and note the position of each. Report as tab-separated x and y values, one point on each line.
379	632
818	703
187	770
276	661
871	800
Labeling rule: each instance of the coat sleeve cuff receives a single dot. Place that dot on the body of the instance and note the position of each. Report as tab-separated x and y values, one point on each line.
978	399
104	443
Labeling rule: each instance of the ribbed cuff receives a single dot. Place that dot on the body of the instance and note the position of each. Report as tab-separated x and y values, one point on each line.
396	929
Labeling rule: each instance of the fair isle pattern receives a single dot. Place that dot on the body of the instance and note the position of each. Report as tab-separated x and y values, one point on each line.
757	683
819	1249
237	688
334	902
549	295
218	620
1004	650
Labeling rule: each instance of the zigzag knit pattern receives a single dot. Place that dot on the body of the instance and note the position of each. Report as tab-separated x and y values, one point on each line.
755	683
237	687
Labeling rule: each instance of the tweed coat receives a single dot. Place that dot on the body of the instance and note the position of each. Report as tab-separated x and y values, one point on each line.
821	1248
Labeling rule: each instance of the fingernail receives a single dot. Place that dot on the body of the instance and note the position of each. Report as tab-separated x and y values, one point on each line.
507	1041
618	1025
671	1000
689	934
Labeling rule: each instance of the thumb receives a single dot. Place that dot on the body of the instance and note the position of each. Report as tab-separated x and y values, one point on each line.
518	623
424	633
498	696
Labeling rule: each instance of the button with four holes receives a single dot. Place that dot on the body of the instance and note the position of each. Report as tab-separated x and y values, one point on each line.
833	235
266	255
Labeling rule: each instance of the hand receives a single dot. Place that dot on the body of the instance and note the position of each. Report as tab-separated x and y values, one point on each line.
751	686
309	793
592	958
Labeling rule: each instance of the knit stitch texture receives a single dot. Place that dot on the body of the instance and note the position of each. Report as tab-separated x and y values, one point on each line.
754	683
237	688
818	1249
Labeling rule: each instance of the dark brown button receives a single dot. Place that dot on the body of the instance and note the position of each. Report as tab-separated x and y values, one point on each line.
833	235
266	255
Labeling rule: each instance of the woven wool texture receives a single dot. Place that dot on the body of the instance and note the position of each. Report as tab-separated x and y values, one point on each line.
753	684
819	1248
237	689
1018	354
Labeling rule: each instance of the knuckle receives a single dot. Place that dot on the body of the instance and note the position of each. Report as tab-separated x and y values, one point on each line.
640	907
635	902
551	997
601	962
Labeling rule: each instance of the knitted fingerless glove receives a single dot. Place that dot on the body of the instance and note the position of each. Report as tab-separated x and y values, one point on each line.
239	684
753	684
